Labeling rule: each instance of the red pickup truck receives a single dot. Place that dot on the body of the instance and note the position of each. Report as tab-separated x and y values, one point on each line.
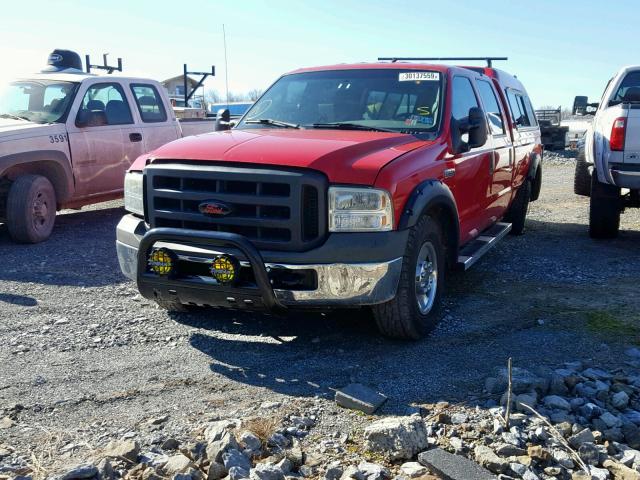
343	186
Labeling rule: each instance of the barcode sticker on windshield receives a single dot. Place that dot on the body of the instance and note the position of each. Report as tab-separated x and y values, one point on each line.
418	76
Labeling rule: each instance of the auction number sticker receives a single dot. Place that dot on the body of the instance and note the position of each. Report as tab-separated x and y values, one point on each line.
418	76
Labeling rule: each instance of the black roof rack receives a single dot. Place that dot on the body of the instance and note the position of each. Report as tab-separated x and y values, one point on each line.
489	60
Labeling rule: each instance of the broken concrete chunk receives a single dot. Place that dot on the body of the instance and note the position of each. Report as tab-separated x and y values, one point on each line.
454	467
359	397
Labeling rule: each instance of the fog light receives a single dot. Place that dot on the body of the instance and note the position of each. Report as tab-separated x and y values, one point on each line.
224	269
161	261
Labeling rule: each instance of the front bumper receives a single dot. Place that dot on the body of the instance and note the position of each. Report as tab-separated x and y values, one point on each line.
350	269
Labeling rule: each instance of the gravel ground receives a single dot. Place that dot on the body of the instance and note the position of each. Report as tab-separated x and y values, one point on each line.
89	359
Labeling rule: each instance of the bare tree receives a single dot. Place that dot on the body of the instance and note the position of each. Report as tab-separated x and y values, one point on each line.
254	94
212	96
237	97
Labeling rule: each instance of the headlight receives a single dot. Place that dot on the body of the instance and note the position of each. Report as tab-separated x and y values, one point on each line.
359	210
134	193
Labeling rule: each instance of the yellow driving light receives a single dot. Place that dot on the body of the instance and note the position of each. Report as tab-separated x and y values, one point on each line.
161	261
224	269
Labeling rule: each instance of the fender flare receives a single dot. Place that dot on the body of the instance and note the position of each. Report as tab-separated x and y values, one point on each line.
532	174
431	194
52	164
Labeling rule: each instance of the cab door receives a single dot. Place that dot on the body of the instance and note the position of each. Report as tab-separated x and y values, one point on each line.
501	165
468	174
103	138
525	134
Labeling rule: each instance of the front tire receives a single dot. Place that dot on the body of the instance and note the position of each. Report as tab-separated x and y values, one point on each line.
604	210
415	310
31	209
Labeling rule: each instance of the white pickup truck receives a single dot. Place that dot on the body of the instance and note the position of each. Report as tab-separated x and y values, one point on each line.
611	153
68	137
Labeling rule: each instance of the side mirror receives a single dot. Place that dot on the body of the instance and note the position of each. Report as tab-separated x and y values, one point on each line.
580	104
223	120
91	118
477	128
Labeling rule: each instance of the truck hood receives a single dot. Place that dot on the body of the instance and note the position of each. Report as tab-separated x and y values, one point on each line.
344	156
13	129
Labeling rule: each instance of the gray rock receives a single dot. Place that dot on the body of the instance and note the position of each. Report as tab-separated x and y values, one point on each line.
610	420
359	397
285	465
599	473
334	471
583	436
518	468
590	411
529	399
278	440
459	418
238	473
457	444
489	460
177	464
529	475
250	440
398	438
507	450
78	472
512	438
235	458
589	453
633	352
596	374
412	469
557	386
128	449
373	471
620	400
562	458
350	473
216	430
524	381
263	471
221	444
216	471
454	467
556	402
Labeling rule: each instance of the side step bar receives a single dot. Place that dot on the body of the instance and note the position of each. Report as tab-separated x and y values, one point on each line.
472	252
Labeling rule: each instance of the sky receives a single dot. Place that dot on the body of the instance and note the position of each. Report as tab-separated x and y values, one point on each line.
558	49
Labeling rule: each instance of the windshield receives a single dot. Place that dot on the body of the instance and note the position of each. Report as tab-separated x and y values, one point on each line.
39	101
399	100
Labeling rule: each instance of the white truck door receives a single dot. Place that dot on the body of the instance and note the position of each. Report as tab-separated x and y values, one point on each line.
158	125
103	138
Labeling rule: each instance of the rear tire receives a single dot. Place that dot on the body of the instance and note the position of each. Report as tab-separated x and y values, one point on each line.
582	177
415	310
604	210
31	209
517	213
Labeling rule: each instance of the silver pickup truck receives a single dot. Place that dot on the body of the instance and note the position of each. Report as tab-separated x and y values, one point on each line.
611	160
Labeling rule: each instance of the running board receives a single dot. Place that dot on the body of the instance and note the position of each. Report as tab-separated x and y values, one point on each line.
472	252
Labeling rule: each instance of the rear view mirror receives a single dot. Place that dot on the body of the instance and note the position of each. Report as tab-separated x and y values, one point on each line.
223	120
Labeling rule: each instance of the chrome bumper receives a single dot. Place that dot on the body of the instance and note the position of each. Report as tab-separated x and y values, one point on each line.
339	284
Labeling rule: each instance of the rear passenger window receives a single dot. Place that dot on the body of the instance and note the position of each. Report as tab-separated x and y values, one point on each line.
491	106
530	112
463	98
518	110
149	103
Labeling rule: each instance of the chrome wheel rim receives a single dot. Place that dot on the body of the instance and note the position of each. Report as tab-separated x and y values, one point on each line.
426	278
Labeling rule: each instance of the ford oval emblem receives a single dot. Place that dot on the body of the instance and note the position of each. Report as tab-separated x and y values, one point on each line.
214	208
55	58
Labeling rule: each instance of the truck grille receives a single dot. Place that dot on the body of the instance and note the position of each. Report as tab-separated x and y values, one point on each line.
275	209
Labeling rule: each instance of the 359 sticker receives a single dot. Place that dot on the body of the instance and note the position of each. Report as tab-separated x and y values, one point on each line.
58	138
418	76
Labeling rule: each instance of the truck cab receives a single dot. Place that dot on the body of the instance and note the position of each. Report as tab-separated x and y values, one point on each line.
612	152
342	186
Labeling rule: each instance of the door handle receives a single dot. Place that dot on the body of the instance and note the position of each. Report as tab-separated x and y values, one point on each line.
135	137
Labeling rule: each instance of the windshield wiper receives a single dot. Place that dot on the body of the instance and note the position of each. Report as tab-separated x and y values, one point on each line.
275	123
14	117
352	126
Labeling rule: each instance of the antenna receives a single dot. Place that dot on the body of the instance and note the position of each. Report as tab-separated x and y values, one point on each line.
106	65
489	60
226	69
